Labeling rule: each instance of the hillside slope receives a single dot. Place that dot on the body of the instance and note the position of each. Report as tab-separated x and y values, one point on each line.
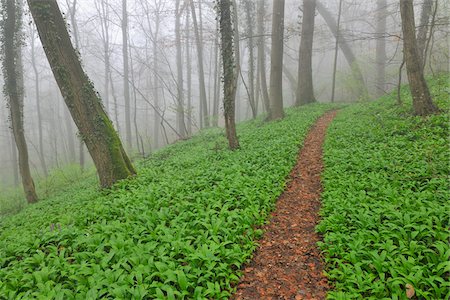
181	229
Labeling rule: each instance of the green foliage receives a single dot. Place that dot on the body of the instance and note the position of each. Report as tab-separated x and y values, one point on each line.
180	230
385	201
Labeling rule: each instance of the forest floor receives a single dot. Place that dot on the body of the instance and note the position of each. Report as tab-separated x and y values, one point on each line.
288	263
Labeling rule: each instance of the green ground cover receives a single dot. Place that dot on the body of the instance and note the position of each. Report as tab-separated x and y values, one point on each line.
181	229
386	200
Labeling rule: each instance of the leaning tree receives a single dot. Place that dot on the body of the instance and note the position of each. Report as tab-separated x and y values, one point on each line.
84	103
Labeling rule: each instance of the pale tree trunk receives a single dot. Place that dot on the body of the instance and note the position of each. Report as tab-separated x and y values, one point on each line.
345	48
380	59
276	61
422	102
217	79
38	105
249	12
305	89
181	126
13	72
336	48
229	82
72	12
204	120
261	11
126	76
103	13
85	106
188	74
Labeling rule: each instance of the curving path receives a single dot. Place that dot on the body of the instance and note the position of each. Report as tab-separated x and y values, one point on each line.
288	264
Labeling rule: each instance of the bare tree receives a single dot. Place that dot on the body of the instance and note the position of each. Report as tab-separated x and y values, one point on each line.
13	72
380	59
181	126
422	102
229	82
126	76
276	61
249	15
305	89
84	104
261	11
427	7
338	35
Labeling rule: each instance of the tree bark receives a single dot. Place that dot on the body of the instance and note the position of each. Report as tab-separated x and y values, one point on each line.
261	53
84	104
380	59
126	76
276	61
427	7
338	35
201	74
229	82
249	12
188	75
13	68
305	89
422	102
181	126
345	48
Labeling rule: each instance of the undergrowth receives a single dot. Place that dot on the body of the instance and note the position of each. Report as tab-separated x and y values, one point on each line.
386	200
180	230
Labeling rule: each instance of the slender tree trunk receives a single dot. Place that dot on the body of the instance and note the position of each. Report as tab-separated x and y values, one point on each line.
261	53
157	120
126	76
181	126
338	35
215	110
201	74
13	73
345	48
276	65
38	106
381	48
85	106
229	82
188	74
305	89
249	12
422	102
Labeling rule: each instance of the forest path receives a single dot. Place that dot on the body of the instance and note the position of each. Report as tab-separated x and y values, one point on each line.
288	265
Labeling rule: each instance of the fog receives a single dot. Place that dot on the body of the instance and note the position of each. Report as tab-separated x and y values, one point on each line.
153	81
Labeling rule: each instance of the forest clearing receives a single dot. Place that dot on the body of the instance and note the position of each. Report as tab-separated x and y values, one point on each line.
227	153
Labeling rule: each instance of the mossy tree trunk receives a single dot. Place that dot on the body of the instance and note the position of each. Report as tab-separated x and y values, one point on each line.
229	81
305	89
12	67
422	102
83	101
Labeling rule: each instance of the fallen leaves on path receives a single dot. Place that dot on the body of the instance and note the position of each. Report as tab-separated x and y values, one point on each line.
288	264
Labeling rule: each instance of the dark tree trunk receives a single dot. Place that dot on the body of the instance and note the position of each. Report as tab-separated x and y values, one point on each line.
380	59
305	89
13	72
422	102
345	48
276	62
229	82
261	53
84	104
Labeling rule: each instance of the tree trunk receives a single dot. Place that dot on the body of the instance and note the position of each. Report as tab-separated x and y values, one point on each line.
215	110
305	89
249	12
126	76
345	48
422	102
188	75
181	126
229	82
38	106
85	106
338	35
380	59
427	7
201	74
261	53
276	58
13	72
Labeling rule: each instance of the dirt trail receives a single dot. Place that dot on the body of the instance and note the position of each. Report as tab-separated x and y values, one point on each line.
287	264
